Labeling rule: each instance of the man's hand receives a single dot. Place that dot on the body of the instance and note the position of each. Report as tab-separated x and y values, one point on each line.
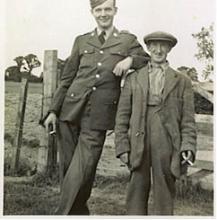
50	120
124	158
187	157
123	66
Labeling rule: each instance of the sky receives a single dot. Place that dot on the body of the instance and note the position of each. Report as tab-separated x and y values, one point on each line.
35	26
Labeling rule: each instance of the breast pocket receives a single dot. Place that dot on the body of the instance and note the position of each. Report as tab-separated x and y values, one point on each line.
86	56
118	53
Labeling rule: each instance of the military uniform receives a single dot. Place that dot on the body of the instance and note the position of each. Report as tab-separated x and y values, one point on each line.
86	103
88	72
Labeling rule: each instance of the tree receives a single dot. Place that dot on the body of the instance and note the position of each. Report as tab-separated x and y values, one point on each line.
205	46
191	72
23	68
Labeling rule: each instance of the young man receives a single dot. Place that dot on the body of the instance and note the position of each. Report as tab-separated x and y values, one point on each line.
155	128
85	103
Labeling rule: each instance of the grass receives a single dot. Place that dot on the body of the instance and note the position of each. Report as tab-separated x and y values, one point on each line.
24	198
27	197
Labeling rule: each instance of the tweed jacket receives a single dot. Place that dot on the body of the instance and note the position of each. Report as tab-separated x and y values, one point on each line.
176	113
88	76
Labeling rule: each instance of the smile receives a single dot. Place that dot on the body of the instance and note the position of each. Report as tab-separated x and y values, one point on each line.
104	20
159	56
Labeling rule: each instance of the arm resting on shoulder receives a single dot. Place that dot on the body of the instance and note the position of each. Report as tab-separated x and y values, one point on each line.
140	57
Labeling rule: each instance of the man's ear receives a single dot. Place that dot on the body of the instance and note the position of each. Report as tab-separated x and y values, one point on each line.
116	10
148	46
91	11
169	48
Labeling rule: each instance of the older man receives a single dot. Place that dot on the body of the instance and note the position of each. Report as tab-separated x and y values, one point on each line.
86	101
155	128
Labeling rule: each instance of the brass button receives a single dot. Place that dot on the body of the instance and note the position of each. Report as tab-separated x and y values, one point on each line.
99	64
94	88
137	134
97	76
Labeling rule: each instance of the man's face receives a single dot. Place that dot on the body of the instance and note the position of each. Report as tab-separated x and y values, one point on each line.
104	14
159	50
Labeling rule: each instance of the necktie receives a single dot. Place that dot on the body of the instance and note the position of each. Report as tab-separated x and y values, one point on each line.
102	37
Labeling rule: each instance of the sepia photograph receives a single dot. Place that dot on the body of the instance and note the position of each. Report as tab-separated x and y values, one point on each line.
108	108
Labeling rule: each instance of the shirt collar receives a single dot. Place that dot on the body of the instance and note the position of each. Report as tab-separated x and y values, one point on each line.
162	66
108	32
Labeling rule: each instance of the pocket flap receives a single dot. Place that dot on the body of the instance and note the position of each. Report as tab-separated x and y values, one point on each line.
87	50
118	51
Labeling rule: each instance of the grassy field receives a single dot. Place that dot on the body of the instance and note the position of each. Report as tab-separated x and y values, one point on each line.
26	196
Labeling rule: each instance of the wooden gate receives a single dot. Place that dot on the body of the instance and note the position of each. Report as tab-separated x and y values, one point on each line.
203	166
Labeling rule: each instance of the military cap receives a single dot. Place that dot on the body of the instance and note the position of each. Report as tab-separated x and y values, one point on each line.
159	35
94	3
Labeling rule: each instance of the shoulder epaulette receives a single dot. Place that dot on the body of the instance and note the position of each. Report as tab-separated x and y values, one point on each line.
88	33
125	32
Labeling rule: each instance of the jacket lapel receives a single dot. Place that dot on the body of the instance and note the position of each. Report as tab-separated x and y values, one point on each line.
143	80
93	40
171	80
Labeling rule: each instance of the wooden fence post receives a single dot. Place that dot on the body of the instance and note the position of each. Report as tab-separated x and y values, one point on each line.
47	155
19	126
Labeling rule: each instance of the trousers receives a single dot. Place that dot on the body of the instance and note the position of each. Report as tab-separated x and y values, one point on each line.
80	149
156	161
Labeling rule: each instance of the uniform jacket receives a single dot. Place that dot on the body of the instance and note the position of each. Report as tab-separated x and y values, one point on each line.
176	113
88	75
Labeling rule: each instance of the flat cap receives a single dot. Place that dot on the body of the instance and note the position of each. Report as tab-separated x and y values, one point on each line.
94	3
163	36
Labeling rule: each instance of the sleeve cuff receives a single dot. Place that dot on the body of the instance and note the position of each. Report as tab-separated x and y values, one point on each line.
121	149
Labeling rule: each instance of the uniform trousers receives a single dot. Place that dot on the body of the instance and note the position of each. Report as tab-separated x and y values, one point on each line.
80	149
156	159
